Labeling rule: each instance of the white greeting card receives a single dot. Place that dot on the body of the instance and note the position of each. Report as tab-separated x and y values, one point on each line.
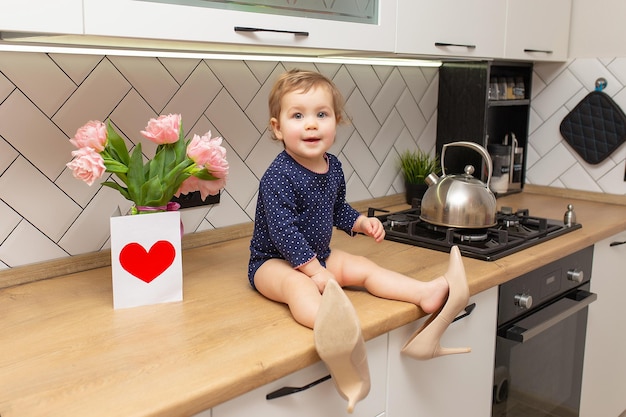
146	259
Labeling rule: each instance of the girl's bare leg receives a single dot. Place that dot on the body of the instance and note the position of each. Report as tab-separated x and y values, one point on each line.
353	270
337	331
278	281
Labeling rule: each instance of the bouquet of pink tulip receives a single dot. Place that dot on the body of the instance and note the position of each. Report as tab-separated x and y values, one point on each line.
178	167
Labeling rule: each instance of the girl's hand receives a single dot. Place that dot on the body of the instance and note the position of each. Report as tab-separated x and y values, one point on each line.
370	226
321	278
318	274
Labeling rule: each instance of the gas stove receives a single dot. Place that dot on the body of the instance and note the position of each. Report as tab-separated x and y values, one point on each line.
514	231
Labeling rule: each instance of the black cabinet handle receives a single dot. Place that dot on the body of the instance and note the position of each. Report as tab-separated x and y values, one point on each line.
468	311
617	243
462	45
543	51
281	392
249	29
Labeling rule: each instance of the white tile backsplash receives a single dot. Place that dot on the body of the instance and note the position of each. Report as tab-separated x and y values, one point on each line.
557	89
44	98
7	155
39	78
6	87
362	116
388	96
149	78
27	245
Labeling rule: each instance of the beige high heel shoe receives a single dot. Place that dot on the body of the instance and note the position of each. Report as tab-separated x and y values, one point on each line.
339	343
424	343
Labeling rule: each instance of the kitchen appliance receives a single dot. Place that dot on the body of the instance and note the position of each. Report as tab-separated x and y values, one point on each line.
501	157
540	343
542	315
513	231
459	200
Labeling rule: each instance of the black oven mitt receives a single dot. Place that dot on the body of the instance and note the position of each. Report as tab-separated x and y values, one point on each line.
595	127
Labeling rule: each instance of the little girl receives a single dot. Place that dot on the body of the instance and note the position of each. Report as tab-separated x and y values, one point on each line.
301	198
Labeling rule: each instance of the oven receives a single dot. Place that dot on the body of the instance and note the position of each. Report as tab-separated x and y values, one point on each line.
542	315
540	343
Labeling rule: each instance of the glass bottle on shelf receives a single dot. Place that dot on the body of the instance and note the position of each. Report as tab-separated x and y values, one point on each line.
494	91
519	91
501	88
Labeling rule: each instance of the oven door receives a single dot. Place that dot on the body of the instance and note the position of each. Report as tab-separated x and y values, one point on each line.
539	359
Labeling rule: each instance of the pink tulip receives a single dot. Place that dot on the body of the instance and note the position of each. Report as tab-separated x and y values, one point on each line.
92	135
87	165
207	152
206	188
163	130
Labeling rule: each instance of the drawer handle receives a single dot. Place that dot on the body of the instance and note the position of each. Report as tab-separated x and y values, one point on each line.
617	243
281	392
462	45
543	51
468	311
249	29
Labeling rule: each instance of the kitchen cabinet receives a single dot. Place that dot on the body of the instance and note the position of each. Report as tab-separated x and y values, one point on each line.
467	113
186	22
42	16
472	28
604	371
319	400
453	385
537	30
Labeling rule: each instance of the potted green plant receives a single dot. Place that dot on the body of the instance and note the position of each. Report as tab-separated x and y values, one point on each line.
415	166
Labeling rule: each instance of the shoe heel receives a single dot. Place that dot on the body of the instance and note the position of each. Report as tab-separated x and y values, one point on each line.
425	342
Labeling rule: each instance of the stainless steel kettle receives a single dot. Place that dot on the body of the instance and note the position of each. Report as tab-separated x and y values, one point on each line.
460	200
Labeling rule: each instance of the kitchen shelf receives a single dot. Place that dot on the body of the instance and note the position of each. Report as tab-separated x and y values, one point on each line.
499	103
466	114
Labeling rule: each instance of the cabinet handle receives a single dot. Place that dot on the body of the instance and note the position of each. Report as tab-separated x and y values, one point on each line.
281	392
249	29
617	243
543	51
468	311
462	45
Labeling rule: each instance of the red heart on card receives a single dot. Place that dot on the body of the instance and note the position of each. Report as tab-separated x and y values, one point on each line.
147	265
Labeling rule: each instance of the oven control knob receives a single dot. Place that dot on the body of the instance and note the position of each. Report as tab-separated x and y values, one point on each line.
523	300
575	275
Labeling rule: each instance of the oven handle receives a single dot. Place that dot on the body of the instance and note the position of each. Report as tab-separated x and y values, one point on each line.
529	327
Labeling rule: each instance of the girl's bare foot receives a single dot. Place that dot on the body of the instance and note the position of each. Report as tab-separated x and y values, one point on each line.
435	295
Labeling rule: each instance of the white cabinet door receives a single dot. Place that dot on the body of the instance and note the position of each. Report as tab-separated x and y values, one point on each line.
472	28
538	30
454	385
322	400
150	20
42	16
604	371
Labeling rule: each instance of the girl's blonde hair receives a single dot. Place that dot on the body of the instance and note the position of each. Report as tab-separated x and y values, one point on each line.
299	80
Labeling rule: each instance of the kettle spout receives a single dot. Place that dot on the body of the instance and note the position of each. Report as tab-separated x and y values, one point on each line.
431	179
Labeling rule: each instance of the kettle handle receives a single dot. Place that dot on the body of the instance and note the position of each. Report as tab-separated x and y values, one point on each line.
472	145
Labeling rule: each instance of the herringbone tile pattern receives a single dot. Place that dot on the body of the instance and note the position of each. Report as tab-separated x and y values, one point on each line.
45	213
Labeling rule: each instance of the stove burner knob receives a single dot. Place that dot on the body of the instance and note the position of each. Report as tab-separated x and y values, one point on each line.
575	275
523	300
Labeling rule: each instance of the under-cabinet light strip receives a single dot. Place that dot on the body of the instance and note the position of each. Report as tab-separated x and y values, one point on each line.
399	62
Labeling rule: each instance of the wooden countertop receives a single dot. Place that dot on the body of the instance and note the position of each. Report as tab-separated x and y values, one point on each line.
64	351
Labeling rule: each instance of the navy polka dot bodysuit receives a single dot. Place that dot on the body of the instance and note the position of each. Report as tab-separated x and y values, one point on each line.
296	211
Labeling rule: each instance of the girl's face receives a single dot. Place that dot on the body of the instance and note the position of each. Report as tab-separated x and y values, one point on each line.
307	126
